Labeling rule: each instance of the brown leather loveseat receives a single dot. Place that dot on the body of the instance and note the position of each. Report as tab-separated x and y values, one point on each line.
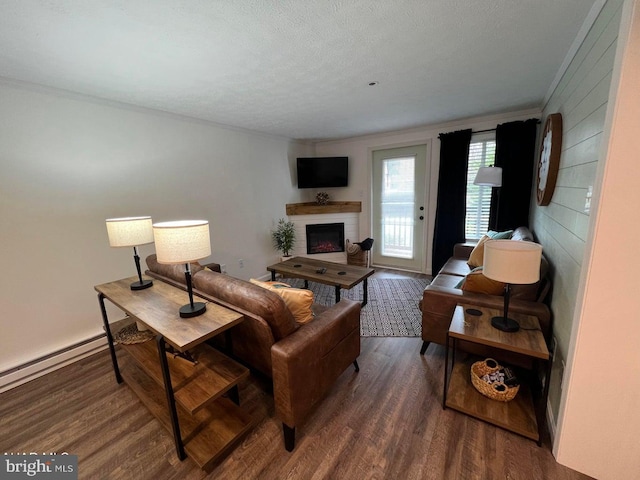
440	298
303	360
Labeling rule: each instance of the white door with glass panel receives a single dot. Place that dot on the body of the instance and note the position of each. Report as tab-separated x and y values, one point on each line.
399	208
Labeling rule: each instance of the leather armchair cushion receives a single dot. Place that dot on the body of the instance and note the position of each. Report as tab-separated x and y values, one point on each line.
447	281
455	266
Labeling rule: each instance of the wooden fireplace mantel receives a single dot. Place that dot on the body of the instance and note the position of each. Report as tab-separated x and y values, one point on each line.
313	208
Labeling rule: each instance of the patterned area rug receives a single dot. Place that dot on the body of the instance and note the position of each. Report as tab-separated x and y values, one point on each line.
392	309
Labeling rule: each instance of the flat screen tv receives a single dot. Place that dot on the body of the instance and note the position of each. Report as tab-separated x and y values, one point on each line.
323	172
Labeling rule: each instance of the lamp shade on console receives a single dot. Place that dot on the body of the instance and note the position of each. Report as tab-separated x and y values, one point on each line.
511	262
131	232
183	241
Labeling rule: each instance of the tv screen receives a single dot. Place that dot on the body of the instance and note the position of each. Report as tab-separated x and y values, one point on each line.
323	172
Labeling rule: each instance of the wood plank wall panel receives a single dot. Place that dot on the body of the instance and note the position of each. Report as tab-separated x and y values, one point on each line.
581	96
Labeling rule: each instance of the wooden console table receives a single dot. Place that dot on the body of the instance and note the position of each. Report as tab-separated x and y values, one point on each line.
521	415
185	396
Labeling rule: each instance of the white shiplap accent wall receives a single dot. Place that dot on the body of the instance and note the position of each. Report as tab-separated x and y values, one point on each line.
561	227
350	221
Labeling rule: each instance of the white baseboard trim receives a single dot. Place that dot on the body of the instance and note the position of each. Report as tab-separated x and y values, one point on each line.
41	366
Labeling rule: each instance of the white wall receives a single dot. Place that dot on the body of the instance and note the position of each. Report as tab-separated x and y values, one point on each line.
600	420
68	162
359	150
581	96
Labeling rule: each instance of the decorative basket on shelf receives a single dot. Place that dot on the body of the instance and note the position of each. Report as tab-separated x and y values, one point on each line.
496	390
322	198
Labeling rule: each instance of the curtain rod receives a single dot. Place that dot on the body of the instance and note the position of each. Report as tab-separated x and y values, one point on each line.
493	129
483	131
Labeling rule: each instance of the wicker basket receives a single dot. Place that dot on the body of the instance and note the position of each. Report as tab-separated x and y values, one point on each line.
356	256
494	391
130	335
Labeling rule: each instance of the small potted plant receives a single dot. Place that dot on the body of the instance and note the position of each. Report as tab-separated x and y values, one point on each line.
284	237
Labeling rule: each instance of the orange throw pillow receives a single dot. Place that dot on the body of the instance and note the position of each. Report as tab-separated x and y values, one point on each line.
476	282
298	300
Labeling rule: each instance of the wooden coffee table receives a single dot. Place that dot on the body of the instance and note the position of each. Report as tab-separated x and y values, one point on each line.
338	275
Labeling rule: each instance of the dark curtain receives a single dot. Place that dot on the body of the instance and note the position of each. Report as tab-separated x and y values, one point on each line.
515	151
452	192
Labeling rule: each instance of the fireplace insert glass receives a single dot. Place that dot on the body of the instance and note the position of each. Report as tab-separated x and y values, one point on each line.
325	238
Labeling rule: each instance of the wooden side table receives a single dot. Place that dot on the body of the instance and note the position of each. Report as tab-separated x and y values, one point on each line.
185	396
526	413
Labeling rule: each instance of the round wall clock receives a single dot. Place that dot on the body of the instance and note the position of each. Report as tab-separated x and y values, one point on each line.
549	160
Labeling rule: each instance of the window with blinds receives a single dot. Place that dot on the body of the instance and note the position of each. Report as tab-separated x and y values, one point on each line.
482	153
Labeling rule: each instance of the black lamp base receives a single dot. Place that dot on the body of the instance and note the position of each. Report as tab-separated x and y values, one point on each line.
505	324
141	285
187	311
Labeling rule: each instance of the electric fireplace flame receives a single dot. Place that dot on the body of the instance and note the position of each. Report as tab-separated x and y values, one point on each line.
325	238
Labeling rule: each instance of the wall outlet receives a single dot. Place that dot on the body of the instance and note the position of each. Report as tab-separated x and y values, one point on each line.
223	268
241	263
587	202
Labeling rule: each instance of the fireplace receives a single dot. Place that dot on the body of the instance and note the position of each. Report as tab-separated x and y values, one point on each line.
325	238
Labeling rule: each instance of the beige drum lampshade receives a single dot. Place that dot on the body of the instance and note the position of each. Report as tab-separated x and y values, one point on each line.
510	261
129	231
182	241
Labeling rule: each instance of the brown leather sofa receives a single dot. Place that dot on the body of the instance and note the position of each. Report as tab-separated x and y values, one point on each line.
441	296
302	360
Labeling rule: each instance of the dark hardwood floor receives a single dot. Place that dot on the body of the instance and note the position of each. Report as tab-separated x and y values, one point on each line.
384	422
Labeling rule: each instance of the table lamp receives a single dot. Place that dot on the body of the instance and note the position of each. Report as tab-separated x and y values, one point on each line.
511	262
131	232
183	241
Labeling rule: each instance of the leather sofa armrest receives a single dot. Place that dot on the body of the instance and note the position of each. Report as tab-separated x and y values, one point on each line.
307	362
463	250
438	304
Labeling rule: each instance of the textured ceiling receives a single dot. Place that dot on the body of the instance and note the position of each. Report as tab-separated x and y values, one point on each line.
297	68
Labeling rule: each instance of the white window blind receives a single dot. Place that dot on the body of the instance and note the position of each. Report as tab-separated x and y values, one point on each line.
482	153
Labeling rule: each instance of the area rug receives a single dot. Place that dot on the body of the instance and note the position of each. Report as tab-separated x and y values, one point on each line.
392	309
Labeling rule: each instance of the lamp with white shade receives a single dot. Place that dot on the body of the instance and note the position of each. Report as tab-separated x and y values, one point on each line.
183	241
489	177
131	232
511	262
